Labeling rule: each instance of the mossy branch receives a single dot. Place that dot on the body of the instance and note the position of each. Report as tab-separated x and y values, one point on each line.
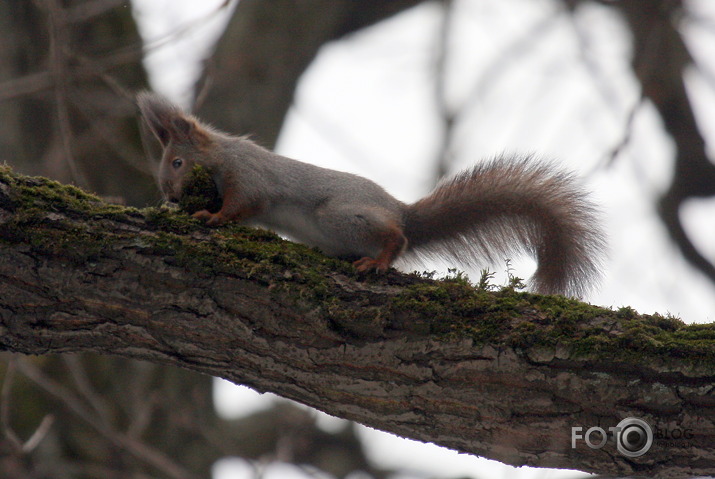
504	375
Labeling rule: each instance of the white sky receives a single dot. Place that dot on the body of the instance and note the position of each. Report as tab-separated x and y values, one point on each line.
367	106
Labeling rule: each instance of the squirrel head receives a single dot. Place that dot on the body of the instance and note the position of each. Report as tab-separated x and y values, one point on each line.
184	140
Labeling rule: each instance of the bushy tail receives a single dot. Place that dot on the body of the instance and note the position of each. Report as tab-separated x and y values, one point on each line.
508	206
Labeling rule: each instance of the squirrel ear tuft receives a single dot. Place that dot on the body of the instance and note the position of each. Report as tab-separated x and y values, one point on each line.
167	121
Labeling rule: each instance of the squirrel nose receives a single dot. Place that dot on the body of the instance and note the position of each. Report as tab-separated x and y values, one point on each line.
169	194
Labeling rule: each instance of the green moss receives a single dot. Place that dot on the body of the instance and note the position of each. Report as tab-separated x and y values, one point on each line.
626	312
164	218
529	322
45	214
66	240
200	192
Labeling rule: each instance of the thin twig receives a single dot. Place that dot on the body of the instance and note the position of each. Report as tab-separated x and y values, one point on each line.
135	447
5	399
206	83
85	388
610	157
340	138
59	41
5	404
446	114
183	29
39	434
86	469
607	94
95	69
89	10
510	54
41	81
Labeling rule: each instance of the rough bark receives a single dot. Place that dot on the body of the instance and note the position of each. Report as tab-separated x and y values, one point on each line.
503	375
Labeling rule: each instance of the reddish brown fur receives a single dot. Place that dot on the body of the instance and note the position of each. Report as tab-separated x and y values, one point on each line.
507	206
393	243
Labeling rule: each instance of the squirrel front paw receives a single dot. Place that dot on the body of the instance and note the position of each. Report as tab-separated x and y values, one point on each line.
371	264
211	219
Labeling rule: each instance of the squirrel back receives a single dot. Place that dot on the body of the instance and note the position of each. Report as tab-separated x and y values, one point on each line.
489	213
508	206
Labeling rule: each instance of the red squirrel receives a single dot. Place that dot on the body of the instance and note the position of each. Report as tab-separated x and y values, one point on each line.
487	213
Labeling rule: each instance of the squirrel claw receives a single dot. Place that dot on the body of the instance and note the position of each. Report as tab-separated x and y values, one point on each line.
370	264
210	219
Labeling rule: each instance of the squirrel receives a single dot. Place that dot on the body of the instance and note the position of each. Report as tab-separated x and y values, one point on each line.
500	207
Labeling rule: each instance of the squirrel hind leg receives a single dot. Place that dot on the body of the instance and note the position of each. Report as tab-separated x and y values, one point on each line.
373	235
393	243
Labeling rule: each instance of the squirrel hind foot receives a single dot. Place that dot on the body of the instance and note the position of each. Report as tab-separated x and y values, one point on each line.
394	243
370	264
210	219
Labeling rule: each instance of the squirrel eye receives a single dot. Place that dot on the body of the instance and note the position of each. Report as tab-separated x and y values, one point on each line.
177	163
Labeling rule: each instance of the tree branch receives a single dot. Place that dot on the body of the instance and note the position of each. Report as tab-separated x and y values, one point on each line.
499	374
660	58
